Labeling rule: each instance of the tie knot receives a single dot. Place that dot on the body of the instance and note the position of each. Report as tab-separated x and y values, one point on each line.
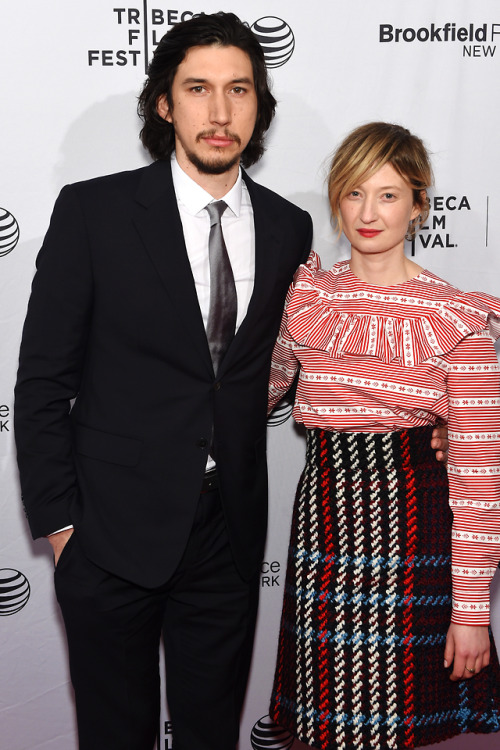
215	211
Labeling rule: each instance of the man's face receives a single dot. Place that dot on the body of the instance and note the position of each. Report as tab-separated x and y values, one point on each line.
214	108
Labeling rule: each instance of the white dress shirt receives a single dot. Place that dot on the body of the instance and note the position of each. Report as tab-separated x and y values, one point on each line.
237	228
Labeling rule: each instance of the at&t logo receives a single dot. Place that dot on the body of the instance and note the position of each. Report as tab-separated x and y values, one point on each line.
276	39
266	735
9	232
281	413
14	591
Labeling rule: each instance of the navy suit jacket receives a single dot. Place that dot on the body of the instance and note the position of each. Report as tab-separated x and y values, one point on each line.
114	328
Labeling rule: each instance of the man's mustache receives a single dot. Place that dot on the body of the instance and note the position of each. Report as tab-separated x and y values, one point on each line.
211	133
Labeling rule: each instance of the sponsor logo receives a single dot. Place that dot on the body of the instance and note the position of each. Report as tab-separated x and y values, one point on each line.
9	232
4	421
280	414
477	40
14	591
143	27
435	233
276	39
266	735
270	574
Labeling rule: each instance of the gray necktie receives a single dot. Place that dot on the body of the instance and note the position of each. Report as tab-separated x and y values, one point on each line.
223	305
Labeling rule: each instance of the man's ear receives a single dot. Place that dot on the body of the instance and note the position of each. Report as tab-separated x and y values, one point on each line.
162	108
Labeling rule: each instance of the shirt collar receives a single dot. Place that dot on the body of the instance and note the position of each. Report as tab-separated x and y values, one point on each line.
194	198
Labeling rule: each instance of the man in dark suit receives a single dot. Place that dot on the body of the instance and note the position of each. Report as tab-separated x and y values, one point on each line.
148	535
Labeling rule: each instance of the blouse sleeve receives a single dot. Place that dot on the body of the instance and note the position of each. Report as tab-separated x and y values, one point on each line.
284	364
474	474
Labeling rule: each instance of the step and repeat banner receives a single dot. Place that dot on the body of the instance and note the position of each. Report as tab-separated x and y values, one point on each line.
71	72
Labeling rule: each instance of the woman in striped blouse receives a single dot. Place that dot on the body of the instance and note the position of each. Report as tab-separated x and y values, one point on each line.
385	639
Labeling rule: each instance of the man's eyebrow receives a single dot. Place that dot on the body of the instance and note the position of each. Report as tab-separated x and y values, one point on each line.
197	81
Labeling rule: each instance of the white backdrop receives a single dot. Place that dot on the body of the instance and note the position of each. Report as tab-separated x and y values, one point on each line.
70	74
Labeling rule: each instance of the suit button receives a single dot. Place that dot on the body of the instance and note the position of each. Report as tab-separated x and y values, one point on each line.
202	443
217	386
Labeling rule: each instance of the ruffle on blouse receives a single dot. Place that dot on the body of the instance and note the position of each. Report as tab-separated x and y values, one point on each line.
316	320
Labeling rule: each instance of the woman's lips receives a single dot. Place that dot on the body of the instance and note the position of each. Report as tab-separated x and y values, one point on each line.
369	232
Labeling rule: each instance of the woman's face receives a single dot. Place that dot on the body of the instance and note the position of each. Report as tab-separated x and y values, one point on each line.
376	214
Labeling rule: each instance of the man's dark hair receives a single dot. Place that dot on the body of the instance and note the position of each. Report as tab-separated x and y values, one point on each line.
225	30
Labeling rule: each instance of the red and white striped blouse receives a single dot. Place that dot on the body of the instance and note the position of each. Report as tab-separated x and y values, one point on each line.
376	359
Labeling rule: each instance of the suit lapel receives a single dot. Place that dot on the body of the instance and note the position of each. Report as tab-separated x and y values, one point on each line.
267	255
157	220
267	245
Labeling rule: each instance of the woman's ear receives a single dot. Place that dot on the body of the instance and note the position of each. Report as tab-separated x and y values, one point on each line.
419	205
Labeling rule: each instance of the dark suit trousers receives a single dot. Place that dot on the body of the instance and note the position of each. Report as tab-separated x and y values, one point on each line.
207	615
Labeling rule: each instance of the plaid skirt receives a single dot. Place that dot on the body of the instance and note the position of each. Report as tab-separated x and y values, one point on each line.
367	601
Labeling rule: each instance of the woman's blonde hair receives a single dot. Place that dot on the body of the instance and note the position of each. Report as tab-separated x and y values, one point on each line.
368	148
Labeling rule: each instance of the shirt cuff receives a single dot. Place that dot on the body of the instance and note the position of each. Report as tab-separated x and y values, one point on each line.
65	528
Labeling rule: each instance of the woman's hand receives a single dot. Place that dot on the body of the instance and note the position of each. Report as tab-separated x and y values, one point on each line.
468	649
440	443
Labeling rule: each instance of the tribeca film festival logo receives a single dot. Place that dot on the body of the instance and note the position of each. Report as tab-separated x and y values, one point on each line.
266	735
165	742
9	232
435	233
14	591
477	40
142	29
